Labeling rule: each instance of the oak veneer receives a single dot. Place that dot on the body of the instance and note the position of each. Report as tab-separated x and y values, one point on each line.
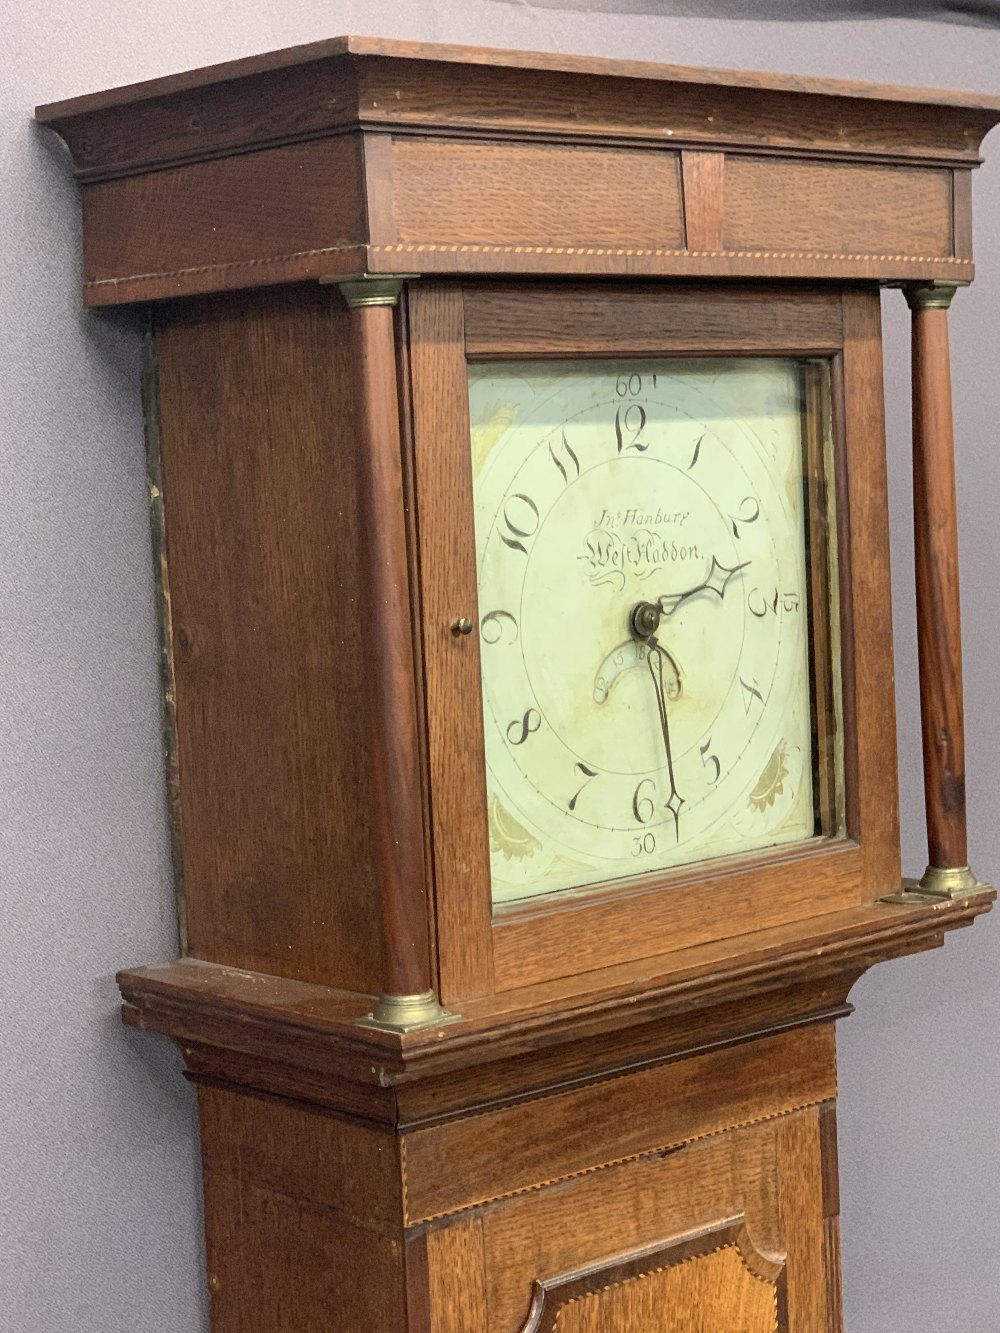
714	1279
878	176
456	769
258	707
432	1180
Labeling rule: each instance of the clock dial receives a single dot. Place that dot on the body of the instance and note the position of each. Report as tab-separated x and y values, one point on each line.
648	559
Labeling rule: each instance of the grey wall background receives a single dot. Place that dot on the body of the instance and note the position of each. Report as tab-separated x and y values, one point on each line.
99	1185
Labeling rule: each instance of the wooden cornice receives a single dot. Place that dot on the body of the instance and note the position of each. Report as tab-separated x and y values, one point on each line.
360	155
301	1040
364	82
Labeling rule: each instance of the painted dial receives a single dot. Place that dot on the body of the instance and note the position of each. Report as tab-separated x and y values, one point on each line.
600	486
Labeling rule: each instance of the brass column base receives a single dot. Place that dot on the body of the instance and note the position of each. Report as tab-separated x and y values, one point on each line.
407	1013
954	882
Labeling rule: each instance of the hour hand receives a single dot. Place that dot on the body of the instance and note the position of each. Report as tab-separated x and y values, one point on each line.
660	665
716	580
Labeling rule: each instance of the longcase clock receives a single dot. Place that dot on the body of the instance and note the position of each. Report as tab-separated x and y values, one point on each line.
518	479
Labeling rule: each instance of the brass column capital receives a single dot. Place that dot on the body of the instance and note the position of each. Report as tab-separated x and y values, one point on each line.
931	295
369	289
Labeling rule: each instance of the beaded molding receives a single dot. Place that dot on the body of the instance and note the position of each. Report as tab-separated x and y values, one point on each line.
585	251
664	1268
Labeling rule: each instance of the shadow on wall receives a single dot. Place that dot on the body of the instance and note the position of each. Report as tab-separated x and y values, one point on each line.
982	13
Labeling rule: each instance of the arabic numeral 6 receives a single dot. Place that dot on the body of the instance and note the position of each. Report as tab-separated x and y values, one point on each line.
643	806
644	845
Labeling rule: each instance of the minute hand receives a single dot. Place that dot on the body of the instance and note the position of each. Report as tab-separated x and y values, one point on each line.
715	581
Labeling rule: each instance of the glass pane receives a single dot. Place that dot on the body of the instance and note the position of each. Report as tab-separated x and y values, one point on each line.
659	643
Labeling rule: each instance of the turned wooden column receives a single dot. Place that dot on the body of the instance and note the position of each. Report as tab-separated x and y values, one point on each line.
938	615
408	998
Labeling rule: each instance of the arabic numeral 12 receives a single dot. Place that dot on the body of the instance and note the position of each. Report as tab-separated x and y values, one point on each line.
629	424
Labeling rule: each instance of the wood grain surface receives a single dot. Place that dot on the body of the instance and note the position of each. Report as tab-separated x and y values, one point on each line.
385	615
468	1162
804	1231
477	161
644	319
523	194
226	219
459	1299
802	205
820	439
866	604
701	1294
713	1279
704	176
939	627
301	1219
443	479
408	81
269	653
312	1028
680	909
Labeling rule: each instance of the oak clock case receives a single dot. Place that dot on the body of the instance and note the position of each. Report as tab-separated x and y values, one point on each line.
518	479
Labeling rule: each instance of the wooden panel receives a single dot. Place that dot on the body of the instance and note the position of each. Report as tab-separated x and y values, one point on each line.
700	1295
265	217
455	192
962	190
301	1220
462	1163
800	1178
866	608
255	402
456	1263
325	1161
418	1294
704	200
379	210
814	207
443	476
714	1279
629	1207
547	320
829	1159
680	909
592	1058
834	1284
